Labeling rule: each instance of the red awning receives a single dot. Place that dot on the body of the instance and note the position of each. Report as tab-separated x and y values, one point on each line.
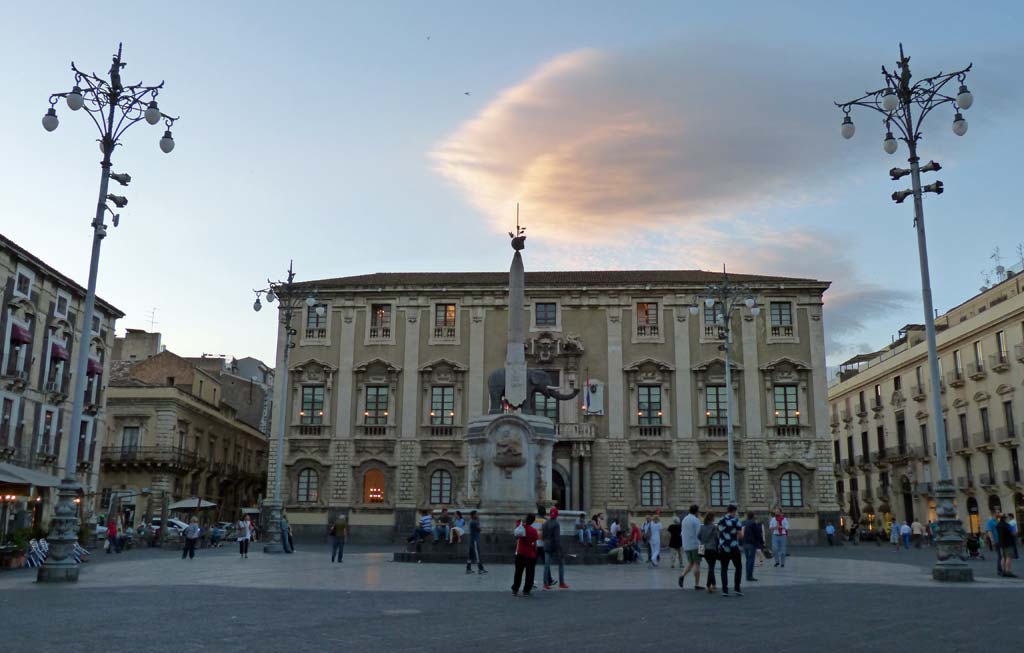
59	352
94	368
20	335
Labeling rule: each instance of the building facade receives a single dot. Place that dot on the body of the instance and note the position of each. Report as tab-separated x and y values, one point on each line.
884	432
40	327
382	384
176	431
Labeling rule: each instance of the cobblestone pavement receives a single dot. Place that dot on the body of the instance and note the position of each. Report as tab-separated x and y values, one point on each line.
822	599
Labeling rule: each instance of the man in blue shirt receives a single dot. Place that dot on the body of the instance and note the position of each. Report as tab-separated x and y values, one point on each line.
753	541
992	534
474	545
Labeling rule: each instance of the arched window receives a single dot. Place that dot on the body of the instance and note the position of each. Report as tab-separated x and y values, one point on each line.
719	488
441	487
791	490
309	485
650	489
373	486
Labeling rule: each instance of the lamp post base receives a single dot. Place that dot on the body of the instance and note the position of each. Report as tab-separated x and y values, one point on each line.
60	565
272	532
950	565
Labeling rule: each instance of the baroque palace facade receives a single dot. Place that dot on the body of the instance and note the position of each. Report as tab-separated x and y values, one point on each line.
883	430
383	383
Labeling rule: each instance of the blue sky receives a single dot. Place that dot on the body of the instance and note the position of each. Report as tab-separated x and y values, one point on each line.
648	135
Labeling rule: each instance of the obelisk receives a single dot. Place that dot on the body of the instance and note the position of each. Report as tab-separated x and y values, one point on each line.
515	353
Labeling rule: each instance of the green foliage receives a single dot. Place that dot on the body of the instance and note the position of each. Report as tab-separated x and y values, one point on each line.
21	538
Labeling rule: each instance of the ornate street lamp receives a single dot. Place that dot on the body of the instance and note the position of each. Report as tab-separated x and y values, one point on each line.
289	301
113	108
722	299
904	106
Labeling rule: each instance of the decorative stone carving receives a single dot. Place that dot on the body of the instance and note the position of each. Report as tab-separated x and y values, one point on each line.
508	450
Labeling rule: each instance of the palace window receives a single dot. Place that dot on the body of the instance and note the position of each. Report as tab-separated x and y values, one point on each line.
650	489
545	314
547	406
309	485
786	411
715	399
444	321
647	319
312	404
440	487
649	405
714	320
373	486
781	319
376	412
24	284
380	321
791	490
719	488
316	321
442	405
130	437
63	303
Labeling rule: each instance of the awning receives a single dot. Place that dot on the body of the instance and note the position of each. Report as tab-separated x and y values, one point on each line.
59	352
94	368
21	476
191	504
20	335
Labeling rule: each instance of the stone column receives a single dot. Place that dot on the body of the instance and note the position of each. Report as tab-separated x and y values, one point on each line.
476	397
409	424
827	502
577	487
586	481
684	379
615	397
343	384
752	409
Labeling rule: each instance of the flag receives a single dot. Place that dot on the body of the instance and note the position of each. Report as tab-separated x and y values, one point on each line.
586	396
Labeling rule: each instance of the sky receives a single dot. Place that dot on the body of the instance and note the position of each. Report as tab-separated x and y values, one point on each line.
398	136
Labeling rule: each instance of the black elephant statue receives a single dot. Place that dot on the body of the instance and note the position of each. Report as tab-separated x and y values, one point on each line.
536	381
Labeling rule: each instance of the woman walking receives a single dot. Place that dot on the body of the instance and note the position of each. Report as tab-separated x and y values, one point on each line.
526	555
708	537
675	542
654	541
244	534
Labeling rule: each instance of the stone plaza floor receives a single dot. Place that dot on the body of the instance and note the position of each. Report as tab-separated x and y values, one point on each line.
845	598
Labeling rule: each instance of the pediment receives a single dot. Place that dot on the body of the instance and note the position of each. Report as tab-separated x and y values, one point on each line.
312	362
717	361
981	395
960	403
785	361
661	366
443	363
1004	389
376	362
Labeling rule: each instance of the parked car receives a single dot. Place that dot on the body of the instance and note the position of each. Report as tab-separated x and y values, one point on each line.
175	525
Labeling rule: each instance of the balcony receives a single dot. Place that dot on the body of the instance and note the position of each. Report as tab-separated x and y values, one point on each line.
781	331
917	393
882	492
983	440
880	458
647	331
441	431
787	430
652	431
847	416
965	483
375	430
1018	352
922	453
379	332
865	495
310	429
999	362
876	405
848	467
712	332
1006	436
444	334
714	430
16	379
1012	478
897	455
837	469
580	431
961	448
956	379
863	461
987	480
976	371
316	333
169	457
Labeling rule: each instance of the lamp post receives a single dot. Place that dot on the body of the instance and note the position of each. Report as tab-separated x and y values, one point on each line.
113	108
285	293
904	106
722	299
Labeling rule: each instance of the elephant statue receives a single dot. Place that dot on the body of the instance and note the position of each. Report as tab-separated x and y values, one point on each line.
536	381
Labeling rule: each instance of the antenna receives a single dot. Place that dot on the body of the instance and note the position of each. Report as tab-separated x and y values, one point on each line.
152	318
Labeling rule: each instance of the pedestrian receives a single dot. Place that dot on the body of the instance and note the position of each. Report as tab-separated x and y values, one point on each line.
614	528
191	537
526	555
691	546
905	534
992	539
635	540
458	528
752	538
830	533
778	526
708	537
474	545
675	543
339	535
244	535
582	531
551	533
441	526
1012	521
729	549
917	533
894	534
111	535
423	530
1005	537
654	541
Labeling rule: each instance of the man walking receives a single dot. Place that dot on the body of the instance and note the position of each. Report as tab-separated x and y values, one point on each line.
729	550
779	528
526	555
917	533
753	541
830	533
474	545
191	538
551	532
691	546
339	534
992	535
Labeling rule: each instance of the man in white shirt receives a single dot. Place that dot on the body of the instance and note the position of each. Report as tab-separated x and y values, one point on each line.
691	546
614	528
778	526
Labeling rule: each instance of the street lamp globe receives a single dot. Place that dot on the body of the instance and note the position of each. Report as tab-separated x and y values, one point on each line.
320	310
959	124
167	142
50	120
152	113
964	98
709	302
256	305
847	128
755	311
271	296
890	144
749	302
74	99
694	309
311	301
890	101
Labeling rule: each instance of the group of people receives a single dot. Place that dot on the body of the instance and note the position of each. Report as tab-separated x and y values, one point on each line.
445	528
530	544
1001	535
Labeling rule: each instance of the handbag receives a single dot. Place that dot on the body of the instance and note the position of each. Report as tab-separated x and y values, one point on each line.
767	553
700	550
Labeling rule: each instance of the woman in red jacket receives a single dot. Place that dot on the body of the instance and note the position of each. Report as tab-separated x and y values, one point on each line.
526	555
